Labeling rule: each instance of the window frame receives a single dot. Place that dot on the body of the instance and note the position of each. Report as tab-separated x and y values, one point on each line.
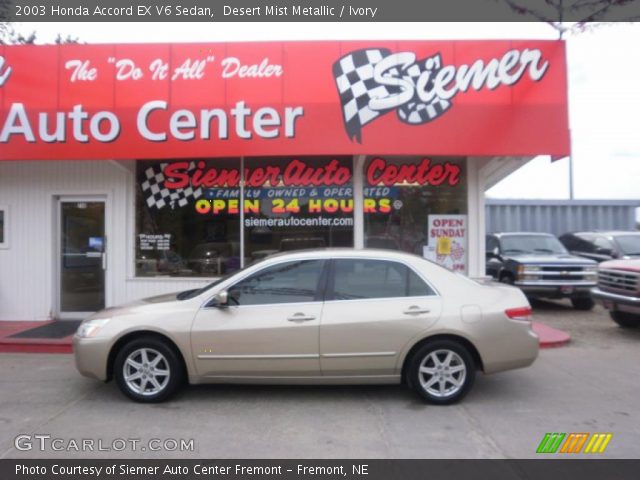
321	288
4	244
330	281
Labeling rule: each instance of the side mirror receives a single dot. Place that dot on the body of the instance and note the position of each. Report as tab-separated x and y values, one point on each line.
495	253
221	299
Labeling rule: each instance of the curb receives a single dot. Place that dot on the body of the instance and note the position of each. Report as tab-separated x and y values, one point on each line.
550	337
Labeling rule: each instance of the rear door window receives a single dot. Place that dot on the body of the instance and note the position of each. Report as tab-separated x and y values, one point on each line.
356	279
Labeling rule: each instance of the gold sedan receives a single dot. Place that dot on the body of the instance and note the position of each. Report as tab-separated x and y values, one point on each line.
338	316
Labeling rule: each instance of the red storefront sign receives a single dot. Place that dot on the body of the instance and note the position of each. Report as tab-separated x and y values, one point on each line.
287	98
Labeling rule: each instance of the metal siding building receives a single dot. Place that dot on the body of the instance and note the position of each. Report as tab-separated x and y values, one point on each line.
559	216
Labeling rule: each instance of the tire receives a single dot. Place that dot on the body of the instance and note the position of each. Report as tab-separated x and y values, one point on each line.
507	278
136	382
582	303
625	319
442	391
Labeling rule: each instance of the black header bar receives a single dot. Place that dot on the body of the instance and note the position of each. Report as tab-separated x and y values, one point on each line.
317	10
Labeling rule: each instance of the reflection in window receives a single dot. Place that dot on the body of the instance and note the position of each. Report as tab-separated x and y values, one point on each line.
401	192
362	279
306	204
173	238
290	282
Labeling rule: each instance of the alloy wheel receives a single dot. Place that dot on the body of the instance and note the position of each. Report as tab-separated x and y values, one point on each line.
442	373
146	371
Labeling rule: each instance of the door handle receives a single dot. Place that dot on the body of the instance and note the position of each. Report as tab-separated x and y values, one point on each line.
415	310
300	317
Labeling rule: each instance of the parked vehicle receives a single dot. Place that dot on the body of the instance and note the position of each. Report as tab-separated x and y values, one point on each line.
602	246
213	258
541	267
619	291
339	316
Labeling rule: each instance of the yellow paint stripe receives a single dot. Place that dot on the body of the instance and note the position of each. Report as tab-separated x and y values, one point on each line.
568	443
606	442
599	440
581	441
590	444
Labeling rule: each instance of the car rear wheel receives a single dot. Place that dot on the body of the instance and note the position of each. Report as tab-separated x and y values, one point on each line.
148	370
442	371
625	319
582	303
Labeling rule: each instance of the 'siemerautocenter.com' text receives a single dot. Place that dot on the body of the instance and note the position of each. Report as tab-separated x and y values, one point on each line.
47	443
298	222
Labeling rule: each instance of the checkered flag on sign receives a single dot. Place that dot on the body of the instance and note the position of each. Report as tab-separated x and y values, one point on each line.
354	76
156	195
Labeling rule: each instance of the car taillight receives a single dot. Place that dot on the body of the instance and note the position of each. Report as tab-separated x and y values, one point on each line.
521	313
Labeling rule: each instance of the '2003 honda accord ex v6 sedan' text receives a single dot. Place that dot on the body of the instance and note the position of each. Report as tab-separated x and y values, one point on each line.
316	316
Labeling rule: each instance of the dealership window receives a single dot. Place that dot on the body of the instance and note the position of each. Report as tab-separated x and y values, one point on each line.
417	205
188	211
4	220
307	203
173	238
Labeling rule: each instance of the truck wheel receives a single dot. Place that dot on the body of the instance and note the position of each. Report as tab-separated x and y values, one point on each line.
506	278
625	319
582	303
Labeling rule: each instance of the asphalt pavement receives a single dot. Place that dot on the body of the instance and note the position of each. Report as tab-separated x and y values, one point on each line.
591	385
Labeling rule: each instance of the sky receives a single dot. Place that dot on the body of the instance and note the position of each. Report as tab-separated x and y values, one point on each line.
604	88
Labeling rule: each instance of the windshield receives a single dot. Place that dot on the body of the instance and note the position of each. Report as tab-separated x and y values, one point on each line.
531	244
197	291
629	244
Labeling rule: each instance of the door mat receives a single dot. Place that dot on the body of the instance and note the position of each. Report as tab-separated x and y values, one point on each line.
58	329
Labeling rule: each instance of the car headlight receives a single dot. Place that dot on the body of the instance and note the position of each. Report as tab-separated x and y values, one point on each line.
90	328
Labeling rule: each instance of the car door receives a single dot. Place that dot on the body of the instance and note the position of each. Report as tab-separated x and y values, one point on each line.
269	328
372	310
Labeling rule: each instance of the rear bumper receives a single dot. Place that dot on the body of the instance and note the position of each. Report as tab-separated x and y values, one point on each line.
505	344
616	301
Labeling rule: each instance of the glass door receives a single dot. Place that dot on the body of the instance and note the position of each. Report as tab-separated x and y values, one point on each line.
82	257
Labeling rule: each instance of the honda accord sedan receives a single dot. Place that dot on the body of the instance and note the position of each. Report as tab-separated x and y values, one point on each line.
315	317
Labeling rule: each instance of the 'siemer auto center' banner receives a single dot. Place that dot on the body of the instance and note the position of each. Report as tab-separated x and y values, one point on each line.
285	98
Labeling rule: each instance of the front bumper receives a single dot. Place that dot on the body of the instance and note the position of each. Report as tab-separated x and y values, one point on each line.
556	289
626	303
91	356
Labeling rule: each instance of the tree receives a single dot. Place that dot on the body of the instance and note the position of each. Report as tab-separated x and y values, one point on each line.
575	15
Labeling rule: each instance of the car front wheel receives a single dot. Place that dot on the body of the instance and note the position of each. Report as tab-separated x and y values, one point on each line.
442	371
625	319
147	370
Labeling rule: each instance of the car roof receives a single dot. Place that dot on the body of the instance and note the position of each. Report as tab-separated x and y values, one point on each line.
611	233
346	252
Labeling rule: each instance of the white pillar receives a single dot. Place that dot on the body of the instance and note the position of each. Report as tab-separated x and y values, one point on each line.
358	201
475	218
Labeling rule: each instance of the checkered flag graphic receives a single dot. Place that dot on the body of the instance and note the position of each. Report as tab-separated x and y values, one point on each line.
457	251
156	195
416	112
354	78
